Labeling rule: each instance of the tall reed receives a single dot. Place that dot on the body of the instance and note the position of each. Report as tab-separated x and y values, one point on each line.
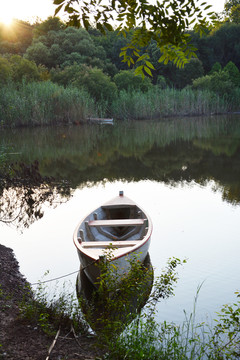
167	102
43	103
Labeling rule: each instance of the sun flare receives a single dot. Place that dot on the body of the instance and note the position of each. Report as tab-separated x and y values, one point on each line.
6	17
25	10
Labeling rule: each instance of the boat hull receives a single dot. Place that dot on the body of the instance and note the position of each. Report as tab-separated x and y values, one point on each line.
122	264
118	231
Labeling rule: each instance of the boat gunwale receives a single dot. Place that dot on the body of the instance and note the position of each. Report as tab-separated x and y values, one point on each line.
132	249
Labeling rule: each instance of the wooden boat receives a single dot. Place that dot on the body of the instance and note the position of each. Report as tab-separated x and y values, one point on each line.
119	227
101	121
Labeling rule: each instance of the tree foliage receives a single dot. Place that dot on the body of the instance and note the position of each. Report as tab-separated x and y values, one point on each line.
64	47
16	68
233	73
234	14
191	71
223	82
126	80
220	45
165	22
5	71
229	4
98	85
17	38
51	24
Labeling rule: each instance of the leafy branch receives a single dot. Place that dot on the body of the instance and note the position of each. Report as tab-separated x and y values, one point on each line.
166	22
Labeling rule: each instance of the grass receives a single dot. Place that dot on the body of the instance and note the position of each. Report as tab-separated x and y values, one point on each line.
51	313
145	339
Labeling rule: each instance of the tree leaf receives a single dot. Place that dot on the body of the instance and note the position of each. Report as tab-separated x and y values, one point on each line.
150	65
58	9
148	71
57	2
143	57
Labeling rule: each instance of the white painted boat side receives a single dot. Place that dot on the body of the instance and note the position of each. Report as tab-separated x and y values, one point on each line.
89	256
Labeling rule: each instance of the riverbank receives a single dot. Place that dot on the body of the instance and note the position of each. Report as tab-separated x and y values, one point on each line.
20	339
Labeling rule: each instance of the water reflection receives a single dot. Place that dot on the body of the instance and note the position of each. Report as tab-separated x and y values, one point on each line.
173	150
189	220
23	191
112	310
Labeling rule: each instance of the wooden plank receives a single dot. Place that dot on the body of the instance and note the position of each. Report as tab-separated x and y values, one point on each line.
92	244
117	222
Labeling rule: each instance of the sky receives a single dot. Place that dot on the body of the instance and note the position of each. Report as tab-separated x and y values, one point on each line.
29	10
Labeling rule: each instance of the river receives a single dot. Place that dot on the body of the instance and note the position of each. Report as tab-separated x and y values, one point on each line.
184	172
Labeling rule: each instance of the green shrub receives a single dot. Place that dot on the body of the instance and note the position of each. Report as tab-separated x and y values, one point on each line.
127	80
23	69
233	73
97	84
215	68
219	82
5	71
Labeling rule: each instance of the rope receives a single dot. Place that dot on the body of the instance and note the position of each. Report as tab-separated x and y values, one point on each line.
60	277
57	278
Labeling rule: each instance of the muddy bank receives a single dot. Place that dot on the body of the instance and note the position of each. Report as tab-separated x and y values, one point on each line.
22	340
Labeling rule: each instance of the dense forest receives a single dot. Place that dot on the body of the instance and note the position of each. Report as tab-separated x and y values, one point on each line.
51	73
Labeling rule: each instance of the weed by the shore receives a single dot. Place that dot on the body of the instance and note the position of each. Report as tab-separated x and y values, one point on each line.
51	313
145	339
136	334
118	301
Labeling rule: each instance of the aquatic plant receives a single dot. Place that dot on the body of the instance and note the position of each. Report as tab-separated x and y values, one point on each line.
157	103
43	103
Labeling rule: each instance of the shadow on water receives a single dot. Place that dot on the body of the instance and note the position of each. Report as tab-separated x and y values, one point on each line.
112	309
24	191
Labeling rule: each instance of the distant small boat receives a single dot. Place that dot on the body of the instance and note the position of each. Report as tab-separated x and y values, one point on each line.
120	225
101	121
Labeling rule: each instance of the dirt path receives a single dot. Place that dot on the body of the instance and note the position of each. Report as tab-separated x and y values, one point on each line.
20	340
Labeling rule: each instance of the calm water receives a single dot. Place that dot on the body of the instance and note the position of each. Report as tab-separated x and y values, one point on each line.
184	172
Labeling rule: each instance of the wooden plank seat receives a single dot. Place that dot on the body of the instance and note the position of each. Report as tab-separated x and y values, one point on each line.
117	244
117	222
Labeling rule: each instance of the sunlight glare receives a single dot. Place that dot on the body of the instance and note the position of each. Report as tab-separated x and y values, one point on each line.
6	17
25	10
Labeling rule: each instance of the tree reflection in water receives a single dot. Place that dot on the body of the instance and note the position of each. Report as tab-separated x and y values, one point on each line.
23	191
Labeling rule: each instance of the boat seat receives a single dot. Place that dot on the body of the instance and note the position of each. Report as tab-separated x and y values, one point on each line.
117	222
116	244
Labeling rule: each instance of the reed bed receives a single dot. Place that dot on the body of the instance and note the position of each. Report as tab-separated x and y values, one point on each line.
46	103
157	103
43	103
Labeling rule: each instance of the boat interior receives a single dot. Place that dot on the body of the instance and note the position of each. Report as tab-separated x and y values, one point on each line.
114	223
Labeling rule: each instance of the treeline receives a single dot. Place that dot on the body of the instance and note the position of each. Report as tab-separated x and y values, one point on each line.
46	65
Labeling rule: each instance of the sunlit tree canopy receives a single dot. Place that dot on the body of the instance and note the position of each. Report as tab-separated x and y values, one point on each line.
165	22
